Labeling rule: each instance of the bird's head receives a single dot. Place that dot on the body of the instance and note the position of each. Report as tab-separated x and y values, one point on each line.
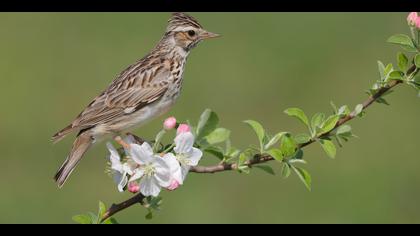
186	31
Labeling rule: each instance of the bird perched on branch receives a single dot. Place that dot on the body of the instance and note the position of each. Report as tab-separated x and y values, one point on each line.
143	91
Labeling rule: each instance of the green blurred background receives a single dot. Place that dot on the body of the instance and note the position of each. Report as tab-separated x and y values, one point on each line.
53	64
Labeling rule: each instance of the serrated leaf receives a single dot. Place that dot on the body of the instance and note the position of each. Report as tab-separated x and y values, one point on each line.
218	135
328	147
344	110
344	129
330	123
304	176
402	62
358	110
316	121
207	123
417	60
259	130
215	151
388	70
276	154
302	138
82	219
274	140
299	114
396	75
402	40
288	146
285	170
266	169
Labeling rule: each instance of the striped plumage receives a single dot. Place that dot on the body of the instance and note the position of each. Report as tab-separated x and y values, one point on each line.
143	91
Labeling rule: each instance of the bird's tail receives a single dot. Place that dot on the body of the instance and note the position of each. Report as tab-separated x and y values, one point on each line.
80	146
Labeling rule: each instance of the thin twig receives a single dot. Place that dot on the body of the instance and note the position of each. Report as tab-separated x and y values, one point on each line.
258	158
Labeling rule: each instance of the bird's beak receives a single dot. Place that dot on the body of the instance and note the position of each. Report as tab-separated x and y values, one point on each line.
208	35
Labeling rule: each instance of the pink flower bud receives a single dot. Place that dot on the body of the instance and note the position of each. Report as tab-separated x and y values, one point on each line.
174	185
412	18
418	23
169	123
133	187
183	128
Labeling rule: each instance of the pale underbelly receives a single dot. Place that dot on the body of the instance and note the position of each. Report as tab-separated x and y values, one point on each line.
134	120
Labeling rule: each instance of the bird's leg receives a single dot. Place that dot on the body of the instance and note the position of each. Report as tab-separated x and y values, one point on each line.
120	141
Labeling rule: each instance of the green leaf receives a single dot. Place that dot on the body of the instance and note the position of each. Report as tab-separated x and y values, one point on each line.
274	140
344	129
285	170
218	135
110	221
276	154
388	70
266	169
402	62
330	123
158	138
381	69
396	75
259	130
328	147
303	176
302	138
149	215
94	218
298	154
358	110
343	111
417	60
102	209
207	123
215	151
382	101
298	113
402	40
288	146
316	121
82	219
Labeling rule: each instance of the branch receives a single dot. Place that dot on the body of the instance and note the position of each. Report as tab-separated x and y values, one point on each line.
115	208
258	158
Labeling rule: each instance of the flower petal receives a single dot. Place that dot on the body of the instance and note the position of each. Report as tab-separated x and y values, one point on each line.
162	172
194	156
138	173
123	180
149	187
114	158
141	154
184	142
174	167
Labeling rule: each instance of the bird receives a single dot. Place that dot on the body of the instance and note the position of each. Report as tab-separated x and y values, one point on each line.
143	91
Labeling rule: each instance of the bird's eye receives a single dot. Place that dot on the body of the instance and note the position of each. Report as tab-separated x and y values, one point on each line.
191	33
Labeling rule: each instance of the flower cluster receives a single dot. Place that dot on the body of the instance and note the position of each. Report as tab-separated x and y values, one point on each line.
414	20
148	172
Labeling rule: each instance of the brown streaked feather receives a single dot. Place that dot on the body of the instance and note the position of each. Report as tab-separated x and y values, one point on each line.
131	89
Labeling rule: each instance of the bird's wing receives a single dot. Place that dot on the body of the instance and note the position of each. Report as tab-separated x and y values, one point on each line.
136	90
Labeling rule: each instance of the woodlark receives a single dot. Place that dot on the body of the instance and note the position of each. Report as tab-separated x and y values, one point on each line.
143	91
